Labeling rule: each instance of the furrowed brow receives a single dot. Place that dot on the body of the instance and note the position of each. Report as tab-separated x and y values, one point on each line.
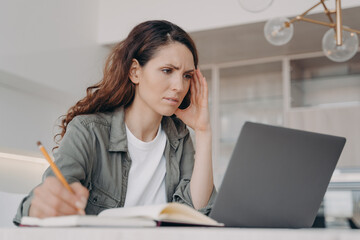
177	68
172	66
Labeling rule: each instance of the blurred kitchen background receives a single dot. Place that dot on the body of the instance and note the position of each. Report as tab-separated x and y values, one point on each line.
50	51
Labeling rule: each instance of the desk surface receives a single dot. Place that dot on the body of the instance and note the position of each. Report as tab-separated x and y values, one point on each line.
179	233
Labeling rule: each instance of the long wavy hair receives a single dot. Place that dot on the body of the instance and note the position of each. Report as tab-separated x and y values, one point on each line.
116	89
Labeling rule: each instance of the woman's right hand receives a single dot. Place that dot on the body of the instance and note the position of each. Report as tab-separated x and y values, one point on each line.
52	199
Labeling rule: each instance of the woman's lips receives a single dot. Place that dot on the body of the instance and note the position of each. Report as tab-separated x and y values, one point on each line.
172	101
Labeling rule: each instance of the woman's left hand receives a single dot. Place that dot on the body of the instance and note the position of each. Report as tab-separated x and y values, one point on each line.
197	114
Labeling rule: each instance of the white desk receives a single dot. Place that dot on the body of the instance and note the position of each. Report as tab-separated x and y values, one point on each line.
168	233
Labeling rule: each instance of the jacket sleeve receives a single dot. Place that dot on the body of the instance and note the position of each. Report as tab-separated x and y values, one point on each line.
72	158
182	193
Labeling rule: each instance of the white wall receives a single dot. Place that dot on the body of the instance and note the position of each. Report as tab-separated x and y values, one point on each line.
18	176
48	56
117	18
51	42
28	117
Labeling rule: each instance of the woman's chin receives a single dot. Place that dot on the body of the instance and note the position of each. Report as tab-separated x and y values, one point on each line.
168	112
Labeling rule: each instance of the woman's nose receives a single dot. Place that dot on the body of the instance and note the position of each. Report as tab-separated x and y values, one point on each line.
178	84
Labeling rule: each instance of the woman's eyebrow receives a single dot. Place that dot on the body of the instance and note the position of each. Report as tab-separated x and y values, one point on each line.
177	68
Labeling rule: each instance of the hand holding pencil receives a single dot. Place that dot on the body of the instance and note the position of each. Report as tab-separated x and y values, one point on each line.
55	197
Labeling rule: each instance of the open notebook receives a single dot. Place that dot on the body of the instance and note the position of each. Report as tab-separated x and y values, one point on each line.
171	214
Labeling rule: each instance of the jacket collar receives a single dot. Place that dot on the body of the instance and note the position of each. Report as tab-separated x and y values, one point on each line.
118	139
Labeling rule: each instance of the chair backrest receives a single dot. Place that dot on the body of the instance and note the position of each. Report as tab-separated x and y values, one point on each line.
9	202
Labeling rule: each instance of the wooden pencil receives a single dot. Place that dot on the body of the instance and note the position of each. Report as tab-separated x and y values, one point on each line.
55	169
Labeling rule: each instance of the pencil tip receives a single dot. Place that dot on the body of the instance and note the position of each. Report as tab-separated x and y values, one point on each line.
38	143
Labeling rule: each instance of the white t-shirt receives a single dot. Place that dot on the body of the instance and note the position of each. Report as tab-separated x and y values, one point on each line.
146	181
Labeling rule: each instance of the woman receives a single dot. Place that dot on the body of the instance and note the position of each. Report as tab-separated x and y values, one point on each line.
122	144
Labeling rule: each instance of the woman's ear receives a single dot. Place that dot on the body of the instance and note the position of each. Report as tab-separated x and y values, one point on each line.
135	70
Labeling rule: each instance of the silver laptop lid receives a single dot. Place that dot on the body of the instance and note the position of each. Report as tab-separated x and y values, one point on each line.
277	177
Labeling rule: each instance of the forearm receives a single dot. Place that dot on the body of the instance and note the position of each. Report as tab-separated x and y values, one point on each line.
201	184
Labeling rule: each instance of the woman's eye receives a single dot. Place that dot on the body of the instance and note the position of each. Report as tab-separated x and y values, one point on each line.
166	70
188	76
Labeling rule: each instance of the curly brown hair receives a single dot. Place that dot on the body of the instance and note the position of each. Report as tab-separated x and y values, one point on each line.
116	89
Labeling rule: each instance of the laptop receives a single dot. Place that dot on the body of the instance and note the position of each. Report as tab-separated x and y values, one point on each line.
276	177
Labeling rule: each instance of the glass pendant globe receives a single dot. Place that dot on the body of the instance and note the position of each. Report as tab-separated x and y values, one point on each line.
341	53
278	31
255	5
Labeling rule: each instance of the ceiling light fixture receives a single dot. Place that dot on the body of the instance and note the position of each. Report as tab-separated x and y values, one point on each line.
340	43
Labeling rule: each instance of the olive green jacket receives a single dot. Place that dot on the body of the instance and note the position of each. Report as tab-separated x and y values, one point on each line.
94	152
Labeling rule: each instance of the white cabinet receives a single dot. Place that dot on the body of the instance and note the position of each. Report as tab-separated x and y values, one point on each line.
306	92
325	97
